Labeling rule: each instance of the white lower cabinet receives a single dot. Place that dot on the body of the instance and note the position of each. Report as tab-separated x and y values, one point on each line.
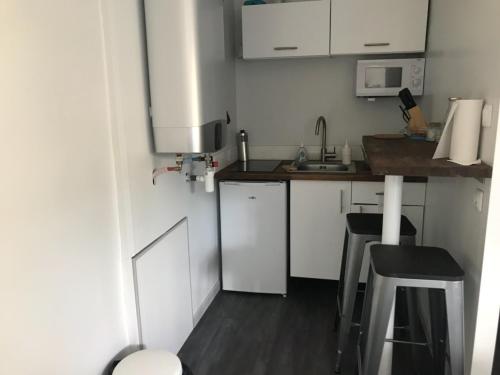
318	221
317	225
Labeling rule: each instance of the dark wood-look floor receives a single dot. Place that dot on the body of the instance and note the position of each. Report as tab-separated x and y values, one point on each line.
252	334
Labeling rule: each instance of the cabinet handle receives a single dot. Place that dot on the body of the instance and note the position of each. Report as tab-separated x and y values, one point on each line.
341	196
379	194
285	48
385	44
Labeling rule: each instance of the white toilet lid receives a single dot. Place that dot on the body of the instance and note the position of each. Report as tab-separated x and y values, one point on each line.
149	362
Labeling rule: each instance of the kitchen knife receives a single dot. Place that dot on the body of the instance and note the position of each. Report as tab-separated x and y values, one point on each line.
407	98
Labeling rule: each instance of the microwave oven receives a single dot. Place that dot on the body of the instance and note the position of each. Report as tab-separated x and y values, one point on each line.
388	77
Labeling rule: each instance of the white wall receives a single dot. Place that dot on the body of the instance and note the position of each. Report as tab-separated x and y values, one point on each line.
279	102
77	199
60	271
147	210
488	309
463	56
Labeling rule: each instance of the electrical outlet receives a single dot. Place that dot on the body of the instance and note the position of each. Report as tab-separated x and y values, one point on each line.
478	200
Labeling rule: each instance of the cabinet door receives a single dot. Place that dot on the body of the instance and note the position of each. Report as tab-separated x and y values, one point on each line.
286	29
164	291
382	26
317	227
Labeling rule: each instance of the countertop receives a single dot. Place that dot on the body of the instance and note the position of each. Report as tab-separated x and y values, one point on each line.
406	157
363	173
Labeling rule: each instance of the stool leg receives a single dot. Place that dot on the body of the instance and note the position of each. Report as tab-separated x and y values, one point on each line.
411	304
437	313
365	317
354	261
340	288
384	292
455	314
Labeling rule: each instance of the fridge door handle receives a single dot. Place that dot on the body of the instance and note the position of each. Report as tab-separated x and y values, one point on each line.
230	183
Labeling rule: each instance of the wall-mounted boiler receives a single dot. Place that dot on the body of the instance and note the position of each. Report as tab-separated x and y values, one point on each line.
187	70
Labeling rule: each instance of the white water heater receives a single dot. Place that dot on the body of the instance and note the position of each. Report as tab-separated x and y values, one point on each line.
187	74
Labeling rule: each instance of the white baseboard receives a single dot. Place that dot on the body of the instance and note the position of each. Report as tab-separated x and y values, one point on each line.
206	303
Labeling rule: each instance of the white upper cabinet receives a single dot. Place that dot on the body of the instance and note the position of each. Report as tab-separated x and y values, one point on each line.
286	29
381	26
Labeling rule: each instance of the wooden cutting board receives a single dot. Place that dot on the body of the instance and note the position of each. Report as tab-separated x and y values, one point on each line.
389	136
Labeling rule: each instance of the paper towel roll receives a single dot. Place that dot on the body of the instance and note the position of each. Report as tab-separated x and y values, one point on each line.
466	130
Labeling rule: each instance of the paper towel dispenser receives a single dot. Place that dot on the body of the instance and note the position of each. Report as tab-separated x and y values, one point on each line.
187	75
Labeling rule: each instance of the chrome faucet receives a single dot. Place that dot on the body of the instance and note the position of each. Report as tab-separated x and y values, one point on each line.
325	155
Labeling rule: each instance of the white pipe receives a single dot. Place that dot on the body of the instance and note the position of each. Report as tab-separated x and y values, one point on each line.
393	198
209	180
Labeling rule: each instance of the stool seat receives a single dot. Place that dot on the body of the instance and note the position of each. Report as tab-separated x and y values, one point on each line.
415	262
371	224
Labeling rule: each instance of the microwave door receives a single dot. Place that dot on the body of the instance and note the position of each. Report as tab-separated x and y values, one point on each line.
378	77
382	80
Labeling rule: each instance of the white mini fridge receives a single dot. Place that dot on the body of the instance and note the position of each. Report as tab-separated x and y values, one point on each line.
254	234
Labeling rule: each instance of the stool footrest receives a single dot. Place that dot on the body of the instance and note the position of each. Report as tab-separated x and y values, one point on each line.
406	342
403	328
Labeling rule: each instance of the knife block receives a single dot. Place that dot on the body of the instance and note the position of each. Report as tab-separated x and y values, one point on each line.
417	124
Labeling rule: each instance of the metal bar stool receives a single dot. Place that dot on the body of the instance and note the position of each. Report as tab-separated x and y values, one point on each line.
361	228
414	267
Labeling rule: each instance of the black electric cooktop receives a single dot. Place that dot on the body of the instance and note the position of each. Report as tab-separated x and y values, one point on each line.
257	165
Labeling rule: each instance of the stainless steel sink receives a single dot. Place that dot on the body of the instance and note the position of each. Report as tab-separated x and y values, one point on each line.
319	167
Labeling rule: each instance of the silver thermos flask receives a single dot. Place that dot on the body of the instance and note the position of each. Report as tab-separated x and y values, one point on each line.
243	146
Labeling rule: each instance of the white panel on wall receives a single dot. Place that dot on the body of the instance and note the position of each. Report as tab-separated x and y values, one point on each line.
163	288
